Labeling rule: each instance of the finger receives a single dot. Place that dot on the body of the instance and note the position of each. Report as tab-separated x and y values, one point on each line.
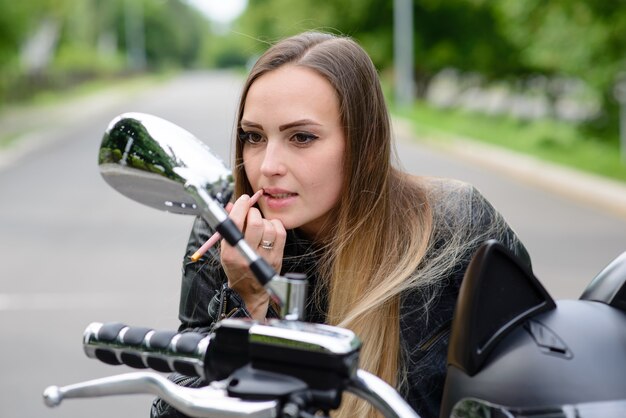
273	243
254	227
255	197
280	234
240	208
269	236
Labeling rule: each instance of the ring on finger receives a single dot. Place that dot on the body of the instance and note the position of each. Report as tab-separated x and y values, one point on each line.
267	245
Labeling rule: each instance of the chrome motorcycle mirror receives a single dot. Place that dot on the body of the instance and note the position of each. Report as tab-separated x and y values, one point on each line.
152	160
159	164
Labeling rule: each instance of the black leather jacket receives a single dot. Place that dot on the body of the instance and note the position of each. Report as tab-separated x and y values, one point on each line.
460	213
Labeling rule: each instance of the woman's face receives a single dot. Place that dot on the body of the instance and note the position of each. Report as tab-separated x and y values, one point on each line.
294	146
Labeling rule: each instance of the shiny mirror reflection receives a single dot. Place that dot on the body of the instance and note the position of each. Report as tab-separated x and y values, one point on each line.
151	160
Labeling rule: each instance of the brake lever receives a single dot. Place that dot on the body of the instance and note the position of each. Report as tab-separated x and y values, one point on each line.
211	401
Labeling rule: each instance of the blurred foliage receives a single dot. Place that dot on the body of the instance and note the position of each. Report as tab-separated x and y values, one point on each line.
92	38
226	51
584	39
499	39
463	34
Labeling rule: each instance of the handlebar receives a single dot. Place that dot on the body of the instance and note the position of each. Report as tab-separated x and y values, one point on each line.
314	353
143	348
250	367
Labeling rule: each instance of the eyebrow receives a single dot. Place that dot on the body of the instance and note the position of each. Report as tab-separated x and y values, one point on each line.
281	128
250	124
297	123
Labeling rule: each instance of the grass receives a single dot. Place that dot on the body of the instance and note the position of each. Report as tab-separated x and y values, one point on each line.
8	140
549	140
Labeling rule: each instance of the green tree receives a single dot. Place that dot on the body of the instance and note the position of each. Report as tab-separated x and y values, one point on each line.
583	39
464	34
91	39
499	39
18	20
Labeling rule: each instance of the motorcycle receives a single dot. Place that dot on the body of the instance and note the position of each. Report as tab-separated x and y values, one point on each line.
513	351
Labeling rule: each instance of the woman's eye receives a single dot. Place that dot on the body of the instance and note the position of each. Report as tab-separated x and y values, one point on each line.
302	138
250	137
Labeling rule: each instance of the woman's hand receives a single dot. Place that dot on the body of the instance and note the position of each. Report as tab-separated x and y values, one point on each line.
267	237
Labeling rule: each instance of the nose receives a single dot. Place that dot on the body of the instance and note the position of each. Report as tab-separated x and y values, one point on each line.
273	163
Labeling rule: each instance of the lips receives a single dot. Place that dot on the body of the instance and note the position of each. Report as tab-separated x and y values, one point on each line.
278	194
279	199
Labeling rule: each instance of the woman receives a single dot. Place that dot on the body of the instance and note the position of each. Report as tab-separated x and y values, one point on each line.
384	252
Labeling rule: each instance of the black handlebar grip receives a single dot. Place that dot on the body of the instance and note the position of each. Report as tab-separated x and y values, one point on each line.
133	337
139	347
119	334
188	344
109	333
160	340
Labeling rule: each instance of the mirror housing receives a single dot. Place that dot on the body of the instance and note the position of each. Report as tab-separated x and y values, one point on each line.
153	161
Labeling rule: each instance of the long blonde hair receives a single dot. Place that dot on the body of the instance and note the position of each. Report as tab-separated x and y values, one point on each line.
382	225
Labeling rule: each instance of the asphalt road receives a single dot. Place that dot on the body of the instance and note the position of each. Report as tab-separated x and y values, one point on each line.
75	251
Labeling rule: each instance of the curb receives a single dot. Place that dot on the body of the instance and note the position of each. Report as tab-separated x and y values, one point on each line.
586	188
